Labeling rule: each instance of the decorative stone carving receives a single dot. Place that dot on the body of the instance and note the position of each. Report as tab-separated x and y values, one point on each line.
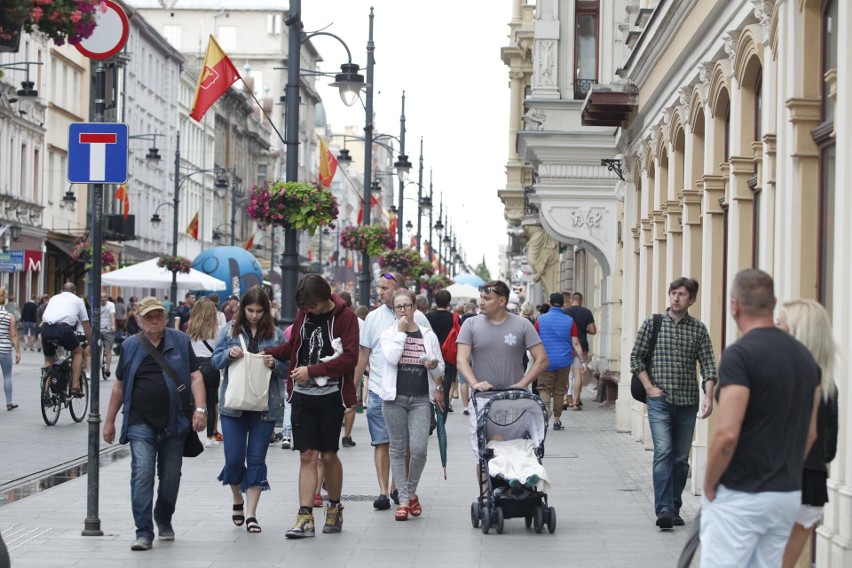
763	11
546	59
545	10
543	257
730	38
705	71
534	119
589	218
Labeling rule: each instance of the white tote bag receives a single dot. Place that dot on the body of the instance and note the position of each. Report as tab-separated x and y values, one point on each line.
248	382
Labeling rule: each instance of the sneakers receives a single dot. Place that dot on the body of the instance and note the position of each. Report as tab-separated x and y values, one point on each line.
106	375
210	443
333	519
317	500
285	442
382	503
665	521
141	543
558	425
166	531
348	442
275	438
450	408
466	412
304	526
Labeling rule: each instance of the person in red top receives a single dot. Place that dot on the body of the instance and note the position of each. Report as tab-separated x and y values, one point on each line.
323	351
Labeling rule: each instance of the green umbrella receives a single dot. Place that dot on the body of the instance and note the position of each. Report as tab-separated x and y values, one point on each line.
442	436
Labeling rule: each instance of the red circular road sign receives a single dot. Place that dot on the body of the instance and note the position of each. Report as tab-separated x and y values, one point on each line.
110	33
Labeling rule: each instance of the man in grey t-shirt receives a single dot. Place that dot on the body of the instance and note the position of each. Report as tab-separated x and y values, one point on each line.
496	342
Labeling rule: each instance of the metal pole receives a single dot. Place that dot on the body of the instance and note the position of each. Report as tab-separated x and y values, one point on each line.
92	524
440	214
319	254
290	257
233	203
419	196
175	205
401	182
430	216
364	278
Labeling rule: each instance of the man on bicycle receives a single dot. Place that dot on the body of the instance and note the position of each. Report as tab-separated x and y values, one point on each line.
58	324
107	331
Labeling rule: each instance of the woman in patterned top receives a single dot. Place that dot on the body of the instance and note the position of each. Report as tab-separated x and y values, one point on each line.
8	340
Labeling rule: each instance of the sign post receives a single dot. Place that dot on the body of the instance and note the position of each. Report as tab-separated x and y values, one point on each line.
108	39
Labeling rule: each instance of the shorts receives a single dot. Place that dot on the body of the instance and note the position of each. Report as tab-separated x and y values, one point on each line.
376	421
809	515
30	329
316	421
62	333
107	338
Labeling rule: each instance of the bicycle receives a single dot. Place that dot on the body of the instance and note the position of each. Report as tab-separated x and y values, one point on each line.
56	391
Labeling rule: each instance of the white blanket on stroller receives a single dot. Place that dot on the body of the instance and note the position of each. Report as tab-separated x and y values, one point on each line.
516	462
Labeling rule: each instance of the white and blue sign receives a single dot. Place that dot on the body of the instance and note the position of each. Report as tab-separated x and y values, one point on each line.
97	152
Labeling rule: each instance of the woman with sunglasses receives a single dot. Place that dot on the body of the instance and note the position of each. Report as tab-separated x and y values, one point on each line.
410	383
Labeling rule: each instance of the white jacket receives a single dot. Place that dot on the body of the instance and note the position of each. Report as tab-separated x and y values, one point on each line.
392	343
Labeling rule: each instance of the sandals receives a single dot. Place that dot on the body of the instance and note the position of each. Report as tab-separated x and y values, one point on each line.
240	518
414	507
578	405
402	513
252	525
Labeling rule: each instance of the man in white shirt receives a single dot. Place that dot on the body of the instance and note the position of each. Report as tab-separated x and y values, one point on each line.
58	323
378	321
107	330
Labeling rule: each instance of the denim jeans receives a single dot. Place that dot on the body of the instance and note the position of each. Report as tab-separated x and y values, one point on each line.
407	419
150	450
246	443
671	429
6	365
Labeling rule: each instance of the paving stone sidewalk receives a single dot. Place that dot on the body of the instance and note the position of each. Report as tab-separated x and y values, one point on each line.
601	490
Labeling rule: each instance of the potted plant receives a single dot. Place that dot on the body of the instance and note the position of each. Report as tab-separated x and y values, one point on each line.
82	252
304	206
175	263
401	260
422	269
62	21
372	239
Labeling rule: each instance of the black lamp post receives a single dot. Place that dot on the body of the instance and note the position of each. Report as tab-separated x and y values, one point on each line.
401	164
419	196
349	82
364	277
439	231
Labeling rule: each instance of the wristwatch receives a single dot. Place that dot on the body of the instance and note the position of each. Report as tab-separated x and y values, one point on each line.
439	388
201	410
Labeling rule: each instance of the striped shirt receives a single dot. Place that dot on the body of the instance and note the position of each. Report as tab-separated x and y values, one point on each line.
5	336
679	345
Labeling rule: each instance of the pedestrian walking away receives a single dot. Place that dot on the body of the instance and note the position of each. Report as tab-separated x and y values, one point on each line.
8	342
64	312
203	331
108	327
585	322
323	353
673	394
155	422
246	433
768	398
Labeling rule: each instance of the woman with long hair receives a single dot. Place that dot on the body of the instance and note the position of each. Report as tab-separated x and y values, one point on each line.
807	321
8	341
203	331
246	433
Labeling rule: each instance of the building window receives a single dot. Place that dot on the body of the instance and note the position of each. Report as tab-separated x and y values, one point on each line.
823	135
261	174
586	18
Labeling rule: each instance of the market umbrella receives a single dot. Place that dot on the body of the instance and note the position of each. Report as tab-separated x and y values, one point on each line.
441	429
148	275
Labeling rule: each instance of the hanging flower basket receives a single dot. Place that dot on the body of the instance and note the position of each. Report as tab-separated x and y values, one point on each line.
303	205
400	260
436	282
422	269
175	263
372	239
62	21
82	252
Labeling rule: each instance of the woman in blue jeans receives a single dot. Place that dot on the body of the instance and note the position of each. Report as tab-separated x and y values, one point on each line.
411	381
246	433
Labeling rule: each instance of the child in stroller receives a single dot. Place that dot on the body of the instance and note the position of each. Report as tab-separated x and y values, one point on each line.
510	432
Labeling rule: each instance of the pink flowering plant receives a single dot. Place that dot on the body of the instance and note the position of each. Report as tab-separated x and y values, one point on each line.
82	252
436	282
304	206
62	21
372	239
422	269
401	260
175	263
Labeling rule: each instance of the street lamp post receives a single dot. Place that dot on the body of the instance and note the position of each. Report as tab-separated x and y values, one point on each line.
364	277
403	163
419	196
429	258
233	203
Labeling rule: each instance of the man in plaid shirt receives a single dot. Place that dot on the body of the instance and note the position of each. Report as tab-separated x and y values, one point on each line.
673	397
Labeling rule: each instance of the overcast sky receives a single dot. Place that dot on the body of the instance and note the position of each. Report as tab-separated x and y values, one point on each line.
445	55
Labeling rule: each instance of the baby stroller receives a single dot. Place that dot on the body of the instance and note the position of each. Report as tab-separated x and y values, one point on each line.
510	431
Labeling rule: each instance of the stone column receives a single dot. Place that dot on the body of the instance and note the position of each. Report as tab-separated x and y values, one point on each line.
545	83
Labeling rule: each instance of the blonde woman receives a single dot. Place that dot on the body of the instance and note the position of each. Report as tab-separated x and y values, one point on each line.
8	340
807	321
203	331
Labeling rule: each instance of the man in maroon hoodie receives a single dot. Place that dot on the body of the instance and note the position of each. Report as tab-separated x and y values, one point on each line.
323	351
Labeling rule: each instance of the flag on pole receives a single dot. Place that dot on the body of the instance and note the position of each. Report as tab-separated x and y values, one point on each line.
393	223
373	203
327	165
192	229
124	196
249	243
215	79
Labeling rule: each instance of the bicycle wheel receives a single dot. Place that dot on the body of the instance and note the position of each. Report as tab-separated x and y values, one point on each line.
78	406
50	403
104	366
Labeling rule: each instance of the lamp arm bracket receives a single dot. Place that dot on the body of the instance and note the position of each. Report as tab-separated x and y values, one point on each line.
316	34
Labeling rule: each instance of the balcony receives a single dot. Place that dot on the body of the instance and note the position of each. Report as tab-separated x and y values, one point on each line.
582	87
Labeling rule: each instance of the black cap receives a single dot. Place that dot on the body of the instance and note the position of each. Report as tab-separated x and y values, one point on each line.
556	299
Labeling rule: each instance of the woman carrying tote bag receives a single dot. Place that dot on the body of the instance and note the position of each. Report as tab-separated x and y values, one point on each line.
246	432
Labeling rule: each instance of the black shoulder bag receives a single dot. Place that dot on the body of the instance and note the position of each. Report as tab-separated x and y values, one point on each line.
637	389
192	446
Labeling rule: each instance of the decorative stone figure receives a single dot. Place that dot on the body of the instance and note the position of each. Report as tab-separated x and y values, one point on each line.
543	257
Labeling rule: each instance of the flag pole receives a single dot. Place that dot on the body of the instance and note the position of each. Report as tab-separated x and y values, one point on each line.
260	106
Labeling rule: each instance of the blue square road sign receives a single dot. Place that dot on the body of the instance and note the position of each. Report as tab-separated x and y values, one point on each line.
97	152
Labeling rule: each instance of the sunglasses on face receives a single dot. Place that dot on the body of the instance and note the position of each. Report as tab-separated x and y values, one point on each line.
489	289
389	276
403	307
